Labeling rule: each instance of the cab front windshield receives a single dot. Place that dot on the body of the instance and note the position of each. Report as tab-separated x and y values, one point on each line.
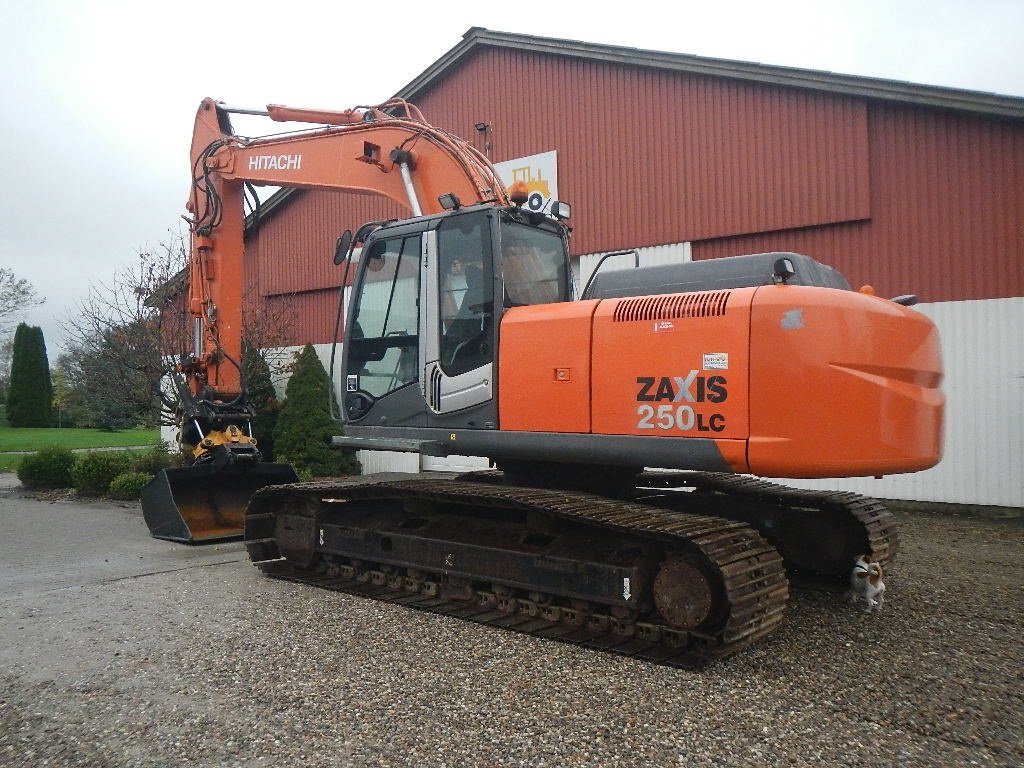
384	341
533	265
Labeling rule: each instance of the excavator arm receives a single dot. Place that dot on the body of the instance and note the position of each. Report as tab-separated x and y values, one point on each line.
388	150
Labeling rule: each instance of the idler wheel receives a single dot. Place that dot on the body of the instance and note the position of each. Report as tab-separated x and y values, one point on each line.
683	594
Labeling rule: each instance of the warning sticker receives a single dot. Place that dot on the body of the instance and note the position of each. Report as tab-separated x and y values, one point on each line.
716	361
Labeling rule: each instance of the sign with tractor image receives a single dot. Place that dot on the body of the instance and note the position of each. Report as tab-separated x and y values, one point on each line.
540	172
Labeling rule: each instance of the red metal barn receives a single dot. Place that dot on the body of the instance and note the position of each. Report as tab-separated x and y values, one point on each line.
909	188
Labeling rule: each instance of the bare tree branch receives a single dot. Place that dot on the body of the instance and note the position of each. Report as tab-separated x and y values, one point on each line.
16	295
130	334
117	336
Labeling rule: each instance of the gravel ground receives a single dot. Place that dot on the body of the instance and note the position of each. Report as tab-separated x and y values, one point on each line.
119	650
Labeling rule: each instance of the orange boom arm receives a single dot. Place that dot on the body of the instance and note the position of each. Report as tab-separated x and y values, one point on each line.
387	150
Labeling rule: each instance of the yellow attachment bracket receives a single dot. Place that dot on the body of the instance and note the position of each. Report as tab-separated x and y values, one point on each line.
229	436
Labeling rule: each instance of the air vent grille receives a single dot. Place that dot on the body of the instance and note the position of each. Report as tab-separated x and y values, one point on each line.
672	306
434	393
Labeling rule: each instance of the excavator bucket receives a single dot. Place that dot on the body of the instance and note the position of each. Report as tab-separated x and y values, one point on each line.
204	503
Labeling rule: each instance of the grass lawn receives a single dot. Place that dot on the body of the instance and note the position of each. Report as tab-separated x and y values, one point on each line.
9	462
33	438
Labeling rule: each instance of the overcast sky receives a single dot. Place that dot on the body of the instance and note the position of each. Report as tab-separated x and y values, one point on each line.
99	97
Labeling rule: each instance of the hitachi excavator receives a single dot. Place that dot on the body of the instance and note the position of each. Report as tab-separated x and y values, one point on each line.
625	428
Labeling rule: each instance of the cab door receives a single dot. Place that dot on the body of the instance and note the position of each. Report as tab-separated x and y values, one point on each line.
457	311
383	351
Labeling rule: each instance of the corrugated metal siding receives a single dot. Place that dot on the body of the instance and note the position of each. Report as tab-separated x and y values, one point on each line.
951	192
453	463
984	387
292	250
388	461
909	199
947	203
309	315
651	157
289	259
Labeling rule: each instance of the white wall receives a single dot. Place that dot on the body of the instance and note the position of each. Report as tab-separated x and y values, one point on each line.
655	255
983	354
388	461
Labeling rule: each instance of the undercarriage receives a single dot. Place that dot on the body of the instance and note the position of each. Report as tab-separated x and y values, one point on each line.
679	575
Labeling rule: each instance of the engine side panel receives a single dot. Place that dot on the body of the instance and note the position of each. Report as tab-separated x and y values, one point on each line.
544	363
674	366
842	384
779	381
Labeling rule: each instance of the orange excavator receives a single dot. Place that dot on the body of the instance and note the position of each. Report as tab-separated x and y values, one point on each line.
625	428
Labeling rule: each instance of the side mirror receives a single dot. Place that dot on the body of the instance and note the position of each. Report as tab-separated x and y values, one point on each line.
907	300
342	247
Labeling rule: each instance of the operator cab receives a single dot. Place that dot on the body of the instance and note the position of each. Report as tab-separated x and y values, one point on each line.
429	294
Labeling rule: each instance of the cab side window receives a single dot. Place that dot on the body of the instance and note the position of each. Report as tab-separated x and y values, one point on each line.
532	266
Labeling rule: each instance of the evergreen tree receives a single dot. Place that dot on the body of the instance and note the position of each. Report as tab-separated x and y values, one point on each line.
304	426
30	397
263	397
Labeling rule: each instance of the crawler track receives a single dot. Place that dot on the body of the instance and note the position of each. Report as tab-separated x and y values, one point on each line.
819	533
746	574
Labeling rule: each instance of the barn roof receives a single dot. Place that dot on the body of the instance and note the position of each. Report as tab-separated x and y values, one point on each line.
866	87
476	38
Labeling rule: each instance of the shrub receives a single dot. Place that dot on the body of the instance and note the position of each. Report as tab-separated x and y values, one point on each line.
304	428
94	471
128	485
263	399
156	458
47	468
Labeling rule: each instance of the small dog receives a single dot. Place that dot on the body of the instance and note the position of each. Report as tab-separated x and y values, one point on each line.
866	582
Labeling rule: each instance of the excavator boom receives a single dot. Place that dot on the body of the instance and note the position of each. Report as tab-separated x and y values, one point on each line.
366	151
